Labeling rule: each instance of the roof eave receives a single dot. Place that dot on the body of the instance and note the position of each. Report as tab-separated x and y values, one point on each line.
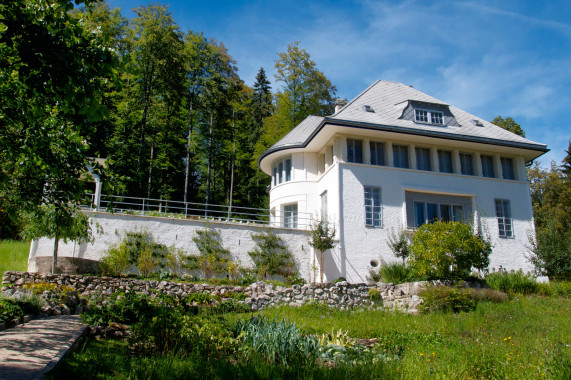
448	136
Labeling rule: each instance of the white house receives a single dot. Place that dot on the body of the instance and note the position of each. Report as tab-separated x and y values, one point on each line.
395	158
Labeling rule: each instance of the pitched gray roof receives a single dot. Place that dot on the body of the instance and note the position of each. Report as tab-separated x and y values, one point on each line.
389	100
299	135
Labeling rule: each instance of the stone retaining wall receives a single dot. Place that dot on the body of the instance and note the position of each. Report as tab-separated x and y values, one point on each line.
259	295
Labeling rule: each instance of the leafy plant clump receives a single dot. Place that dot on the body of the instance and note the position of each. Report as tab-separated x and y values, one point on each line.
447	299
396	273
447	250
512	282
374	294
10	310
272	256
277	342
136	248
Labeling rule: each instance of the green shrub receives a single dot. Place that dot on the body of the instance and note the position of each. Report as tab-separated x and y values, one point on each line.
447	299
136	248
227	306
201	298
447	250
32	304
551	251
213	258
127	308
9	310
396	273
489	295
512	282
277	342
115	262
209	338
554	288
374	294
399	243
272	256
296	280
176	259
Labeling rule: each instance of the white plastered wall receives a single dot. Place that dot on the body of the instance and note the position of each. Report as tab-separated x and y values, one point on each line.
177	232
363	244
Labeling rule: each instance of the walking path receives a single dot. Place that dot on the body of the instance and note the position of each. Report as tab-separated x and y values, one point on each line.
30	350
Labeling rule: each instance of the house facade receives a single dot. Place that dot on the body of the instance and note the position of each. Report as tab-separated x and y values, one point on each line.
393	159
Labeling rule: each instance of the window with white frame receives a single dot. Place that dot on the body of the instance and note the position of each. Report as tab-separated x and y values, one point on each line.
400	156
282	170
488	166
507	168
505	225
372	206
423	208
377	153
429	116
423	159
355	151
290	215
466	164
436	117
421	116
445	161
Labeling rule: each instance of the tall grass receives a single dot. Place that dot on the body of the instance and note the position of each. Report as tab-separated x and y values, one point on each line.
512	282
525	338
13	255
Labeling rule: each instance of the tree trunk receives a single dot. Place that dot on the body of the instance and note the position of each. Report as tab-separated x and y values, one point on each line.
56	246
187	170
321	267
208	173
150	171
233	163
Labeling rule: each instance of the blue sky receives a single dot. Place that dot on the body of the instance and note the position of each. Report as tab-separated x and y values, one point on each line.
509	58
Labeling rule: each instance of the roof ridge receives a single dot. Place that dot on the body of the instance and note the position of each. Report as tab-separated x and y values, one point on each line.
358	96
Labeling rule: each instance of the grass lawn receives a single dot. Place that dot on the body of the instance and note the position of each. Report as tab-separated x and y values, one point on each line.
14	255
525	338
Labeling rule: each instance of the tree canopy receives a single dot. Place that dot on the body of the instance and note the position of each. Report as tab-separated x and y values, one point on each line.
509	124
166	108
551	199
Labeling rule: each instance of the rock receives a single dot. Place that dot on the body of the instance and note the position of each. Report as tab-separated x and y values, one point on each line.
65	310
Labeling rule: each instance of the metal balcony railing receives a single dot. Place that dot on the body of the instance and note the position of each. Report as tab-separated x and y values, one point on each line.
191	210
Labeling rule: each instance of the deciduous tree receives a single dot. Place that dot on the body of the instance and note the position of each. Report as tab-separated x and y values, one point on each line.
53	70
509	124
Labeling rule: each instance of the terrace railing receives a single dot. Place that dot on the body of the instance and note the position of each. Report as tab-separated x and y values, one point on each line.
191	210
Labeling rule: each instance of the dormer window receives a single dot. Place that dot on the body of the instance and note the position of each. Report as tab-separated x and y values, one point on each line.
429	116
436	117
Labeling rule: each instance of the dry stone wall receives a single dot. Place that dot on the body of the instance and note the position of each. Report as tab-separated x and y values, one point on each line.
259	295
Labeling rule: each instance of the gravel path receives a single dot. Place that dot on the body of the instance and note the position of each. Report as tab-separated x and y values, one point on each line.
30	350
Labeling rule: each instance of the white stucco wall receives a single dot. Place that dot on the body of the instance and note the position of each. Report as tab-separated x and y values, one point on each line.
363	244
359	244
177	232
